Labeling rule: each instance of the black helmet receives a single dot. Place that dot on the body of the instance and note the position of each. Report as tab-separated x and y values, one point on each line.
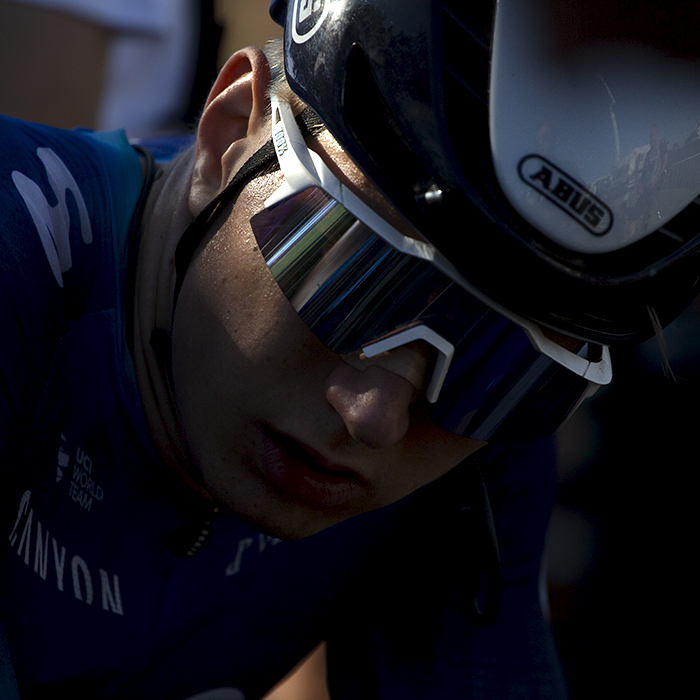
550	150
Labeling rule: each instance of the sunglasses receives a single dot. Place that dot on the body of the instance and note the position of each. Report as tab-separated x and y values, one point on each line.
360	284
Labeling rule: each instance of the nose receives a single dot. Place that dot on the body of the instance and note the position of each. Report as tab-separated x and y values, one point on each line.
373	402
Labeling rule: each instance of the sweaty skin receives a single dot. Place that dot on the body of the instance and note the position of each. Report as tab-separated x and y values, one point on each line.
262	417
262	401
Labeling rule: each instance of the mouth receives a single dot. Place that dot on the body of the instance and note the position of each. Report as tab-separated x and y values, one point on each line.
304	475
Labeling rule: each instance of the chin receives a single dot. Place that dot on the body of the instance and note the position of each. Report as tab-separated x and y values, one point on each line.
276	516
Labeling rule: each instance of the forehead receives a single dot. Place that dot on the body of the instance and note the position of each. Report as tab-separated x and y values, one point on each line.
350	175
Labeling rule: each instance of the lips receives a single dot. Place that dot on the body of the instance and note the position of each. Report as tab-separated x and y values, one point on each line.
304	475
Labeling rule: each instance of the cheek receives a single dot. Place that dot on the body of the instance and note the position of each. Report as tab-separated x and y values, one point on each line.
222	319
238	346
229	300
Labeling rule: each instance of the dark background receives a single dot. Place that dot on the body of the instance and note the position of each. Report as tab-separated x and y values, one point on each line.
621	545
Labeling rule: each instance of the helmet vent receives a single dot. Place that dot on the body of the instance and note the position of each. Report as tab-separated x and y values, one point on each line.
466	40
372	124
466	46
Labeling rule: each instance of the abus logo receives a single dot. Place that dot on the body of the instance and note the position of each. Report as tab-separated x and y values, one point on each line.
568	194
307	18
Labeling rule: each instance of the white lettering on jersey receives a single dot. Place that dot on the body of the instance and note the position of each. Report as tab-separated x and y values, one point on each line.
77	566
81	574
83	489
53	222
234	567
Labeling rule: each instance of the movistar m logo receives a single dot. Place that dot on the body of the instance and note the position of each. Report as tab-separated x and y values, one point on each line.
566	193
53	222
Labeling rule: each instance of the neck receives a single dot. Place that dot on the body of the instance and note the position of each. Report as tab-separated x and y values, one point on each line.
165	218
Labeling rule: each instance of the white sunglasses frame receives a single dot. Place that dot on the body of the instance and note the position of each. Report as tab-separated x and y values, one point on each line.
303	168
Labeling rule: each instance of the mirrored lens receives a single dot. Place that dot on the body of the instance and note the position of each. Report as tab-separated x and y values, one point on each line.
346	282
351	288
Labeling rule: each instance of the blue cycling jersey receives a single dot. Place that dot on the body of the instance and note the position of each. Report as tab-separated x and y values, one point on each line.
98	596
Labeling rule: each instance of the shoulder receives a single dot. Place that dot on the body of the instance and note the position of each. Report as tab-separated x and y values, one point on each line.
66	200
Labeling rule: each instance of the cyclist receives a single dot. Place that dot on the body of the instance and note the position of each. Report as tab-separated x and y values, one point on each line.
290	329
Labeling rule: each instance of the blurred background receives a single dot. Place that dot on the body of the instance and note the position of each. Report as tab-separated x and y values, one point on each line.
620	553
619	547
142	65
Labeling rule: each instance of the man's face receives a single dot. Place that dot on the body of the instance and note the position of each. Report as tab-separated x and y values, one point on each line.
289	435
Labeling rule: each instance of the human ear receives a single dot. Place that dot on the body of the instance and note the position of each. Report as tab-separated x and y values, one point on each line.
234	119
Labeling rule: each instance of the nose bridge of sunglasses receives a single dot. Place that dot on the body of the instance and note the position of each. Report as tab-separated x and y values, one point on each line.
445	351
